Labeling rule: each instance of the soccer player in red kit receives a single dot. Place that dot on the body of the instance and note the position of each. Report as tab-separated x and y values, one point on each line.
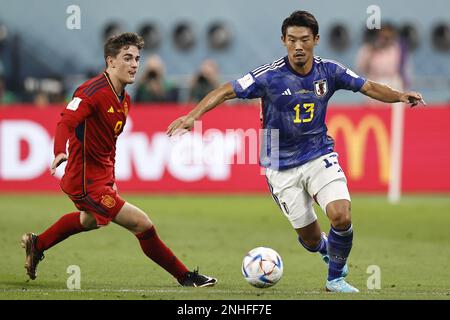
91	122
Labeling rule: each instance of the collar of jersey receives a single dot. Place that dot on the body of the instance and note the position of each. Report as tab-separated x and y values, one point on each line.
288	64
112	88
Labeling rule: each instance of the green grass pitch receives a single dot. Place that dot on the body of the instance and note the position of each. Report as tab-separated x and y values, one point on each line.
410	242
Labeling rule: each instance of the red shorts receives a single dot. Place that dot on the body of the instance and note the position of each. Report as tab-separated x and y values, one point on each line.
104	202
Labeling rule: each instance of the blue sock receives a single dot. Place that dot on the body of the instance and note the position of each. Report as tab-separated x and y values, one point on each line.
322	247
339	246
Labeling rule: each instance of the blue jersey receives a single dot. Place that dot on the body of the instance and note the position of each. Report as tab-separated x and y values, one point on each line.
294	108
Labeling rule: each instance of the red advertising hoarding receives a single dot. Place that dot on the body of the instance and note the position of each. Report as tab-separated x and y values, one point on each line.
149	161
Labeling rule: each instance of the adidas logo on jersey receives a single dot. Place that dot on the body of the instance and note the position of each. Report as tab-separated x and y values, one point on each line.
111	110
287	92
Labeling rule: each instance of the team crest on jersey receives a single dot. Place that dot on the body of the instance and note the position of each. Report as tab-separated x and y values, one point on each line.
125	109
321	87
108	201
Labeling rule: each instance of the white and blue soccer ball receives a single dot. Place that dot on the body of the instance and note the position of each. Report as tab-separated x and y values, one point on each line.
262	267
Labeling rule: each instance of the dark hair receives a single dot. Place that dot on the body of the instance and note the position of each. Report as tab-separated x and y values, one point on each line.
389	26
300	19
115	43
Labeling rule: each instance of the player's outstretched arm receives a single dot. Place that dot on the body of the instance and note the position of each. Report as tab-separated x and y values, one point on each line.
213	99
384	93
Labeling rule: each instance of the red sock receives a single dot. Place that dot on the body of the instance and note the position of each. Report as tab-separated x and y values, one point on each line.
66	226
156	250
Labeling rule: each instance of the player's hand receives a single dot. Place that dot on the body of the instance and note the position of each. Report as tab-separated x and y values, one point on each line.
114	187
181	125
412	98
60	158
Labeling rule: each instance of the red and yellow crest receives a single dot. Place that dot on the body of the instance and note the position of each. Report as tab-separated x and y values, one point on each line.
108	201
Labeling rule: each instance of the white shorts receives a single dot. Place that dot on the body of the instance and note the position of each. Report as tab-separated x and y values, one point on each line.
294	189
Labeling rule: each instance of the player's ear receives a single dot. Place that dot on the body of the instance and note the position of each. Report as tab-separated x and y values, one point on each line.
110	62
282	40
316	39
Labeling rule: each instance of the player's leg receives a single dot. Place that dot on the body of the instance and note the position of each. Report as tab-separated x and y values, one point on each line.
335	201
69	224
340	236
136	221
312	239
88	220
327	184
296	205
35	245
133	219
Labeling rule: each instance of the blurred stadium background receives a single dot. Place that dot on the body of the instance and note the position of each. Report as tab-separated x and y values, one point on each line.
192	46
35	42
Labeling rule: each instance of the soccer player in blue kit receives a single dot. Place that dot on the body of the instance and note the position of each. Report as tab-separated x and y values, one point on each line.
303	166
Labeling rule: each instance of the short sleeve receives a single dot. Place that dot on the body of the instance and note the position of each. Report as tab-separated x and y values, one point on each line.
248	87
79	108
347	79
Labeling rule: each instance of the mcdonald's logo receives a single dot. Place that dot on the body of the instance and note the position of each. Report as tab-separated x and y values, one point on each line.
356	142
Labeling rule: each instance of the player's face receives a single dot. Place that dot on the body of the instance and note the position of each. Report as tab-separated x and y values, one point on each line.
126	64
300	43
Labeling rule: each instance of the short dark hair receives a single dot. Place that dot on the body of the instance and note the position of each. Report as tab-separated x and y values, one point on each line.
115	43
300	19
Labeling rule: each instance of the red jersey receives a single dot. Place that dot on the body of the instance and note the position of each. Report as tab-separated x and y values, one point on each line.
91	122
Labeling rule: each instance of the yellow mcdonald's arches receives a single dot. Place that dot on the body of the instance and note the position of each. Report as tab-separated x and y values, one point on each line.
356	138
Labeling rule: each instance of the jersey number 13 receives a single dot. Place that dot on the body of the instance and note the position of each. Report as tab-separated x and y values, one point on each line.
308	110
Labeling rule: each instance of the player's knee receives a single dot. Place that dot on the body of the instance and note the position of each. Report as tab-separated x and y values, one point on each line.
142	224
88	221
339	213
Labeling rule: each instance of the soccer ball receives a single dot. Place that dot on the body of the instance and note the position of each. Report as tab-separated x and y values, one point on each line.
262	267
